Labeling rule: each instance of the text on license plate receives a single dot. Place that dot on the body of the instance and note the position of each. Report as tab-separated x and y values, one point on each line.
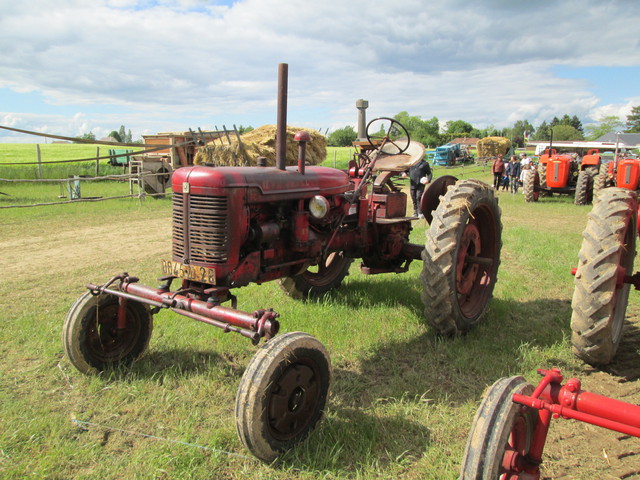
189	272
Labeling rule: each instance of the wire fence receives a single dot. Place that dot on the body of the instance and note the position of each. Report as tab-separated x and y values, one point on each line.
142	183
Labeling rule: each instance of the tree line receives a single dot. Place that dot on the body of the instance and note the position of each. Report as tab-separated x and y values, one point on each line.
429	133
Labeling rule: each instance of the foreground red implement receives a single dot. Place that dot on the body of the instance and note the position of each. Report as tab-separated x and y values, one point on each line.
510	428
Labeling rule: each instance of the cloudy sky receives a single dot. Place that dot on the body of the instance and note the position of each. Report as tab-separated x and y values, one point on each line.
68	67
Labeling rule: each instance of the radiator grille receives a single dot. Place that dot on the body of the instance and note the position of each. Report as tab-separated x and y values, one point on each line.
201	227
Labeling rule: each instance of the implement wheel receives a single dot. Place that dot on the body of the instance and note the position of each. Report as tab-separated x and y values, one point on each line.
282	394
461	257
319	279
91	337
600	296
501	434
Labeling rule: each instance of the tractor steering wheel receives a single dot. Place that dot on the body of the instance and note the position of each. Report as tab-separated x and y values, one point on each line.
393	136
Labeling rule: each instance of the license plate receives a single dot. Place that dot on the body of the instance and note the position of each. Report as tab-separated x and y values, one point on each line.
189	272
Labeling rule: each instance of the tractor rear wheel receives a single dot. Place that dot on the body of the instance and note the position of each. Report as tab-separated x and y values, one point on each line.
530	190
501	435
584	188
461	257
282	394
318	280
600	296
91	337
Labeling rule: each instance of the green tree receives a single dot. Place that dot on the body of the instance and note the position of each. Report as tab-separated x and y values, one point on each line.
423	131
521	129
633	120
608	124
566	133
343	137
543	132
116	136
87	136
458	128
242	130
577	124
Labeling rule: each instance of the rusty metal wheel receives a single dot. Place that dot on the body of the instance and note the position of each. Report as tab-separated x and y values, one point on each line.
282	394
600	296
318	279
461	257
501	434
91	337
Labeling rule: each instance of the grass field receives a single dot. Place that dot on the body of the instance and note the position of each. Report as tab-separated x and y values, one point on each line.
402	398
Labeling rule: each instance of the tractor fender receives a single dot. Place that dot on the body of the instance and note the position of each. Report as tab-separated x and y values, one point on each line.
431	195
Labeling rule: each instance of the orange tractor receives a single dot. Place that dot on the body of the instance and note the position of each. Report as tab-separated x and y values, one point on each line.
563	174
623	172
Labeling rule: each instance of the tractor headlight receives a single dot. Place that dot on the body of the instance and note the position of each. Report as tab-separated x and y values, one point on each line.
319	207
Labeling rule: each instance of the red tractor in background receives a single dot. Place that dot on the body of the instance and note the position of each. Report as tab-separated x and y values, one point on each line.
563	174
623	172
302	227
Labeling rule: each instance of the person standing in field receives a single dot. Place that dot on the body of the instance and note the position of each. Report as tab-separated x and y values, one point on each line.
514	174
498	170
505	175
419	175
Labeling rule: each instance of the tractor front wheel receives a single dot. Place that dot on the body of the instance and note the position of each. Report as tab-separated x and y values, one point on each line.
282	394
531	186
461	257
319	279
600	296
600	181
94	341
584	188
501	435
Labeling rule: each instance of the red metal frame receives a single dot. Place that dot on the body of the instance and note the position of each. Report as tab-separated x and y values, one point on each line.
553	400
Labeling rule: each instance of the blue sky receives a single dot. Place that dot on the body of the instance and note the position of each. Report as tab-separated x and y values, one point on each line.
71	67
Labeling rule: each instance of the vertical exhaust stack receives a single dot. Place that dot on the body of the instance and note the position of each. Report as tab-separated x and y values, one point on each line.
362	105
281	127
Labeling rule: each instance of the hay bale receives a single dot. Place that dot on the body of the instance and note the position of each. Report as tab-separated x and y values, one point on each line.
492	146
261	142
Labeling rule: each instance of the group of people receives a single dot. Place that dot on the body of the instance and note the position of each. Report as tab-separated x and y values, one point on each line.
509	174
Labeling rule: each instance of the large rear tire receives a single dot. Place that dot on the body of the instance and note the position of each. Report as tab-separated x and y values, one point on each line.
461	257
282	394
318	280
501	434
600	296
91	337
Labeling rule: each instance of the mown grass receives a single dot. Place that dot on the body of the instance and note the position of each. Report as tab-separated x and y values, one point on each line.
402	398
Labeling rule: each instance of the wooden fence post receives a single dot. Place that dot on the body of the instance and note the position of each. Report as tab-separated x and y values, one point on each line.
39	161
97	161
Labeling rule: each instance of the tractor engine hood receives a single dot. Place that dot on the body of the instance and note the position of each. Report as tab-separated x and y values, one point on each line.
263	184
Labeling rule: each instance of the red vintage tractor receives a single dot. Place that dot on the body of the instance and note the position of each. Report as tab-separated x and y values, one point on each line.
301	227
563	174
